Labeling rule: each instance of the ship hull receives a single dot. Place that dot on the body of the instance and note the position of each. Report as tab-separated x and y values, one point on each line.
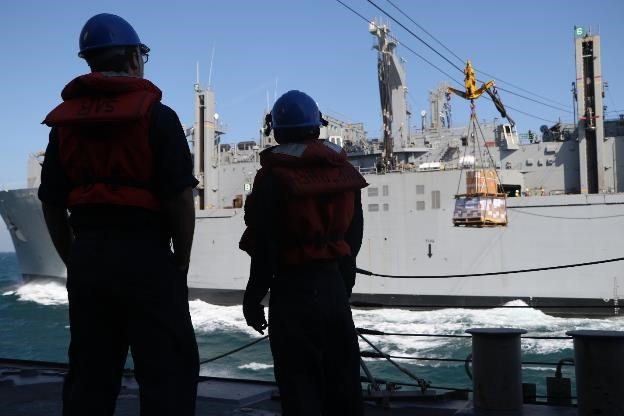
558	252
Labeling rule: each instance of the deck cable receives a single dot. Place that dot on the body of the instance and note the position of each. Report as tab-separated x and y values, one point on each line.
461	69
379	354
449	276
374	354
381	381
421	382
377	332
255	341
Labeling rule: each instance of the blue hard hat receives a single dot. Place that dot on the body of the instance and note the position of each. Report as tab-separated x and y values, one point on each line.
295	109
108	30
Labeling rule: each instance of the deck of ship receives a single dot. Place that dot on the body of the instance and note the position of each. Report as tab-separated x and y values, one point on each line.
34	389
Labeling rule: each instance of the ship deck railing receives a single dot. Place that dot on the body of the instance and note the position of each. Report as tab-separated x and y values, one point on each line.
418	394
423	385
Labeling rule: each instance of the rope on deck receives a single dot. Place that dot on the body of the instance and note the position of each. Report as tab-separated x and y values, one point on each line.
450	276
235	350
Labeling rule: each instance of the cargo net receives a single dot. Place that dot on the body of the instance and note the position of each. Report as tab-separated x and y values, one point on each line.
483	204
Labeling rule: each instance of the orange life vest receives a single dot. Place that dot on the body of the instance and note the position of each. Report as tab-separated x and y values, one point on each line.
317	190
103	137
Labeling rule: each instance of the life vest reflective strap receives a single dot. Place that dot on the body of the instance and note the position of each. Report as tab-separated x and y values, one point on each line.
106	194
290	149
332	146
98	109
317	180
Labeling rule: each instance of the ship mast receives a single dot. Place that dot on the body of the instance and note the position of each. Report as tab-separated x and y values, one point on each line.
392	93
206	134
590	112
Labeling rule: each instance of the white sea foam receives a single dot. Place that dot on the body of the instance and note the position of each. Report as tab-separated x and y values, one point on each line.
255	366
220	372
209	318
44	293
456	321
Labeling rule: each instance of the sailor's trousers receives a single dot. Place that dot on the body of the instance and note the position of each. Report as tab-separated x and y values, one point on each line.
126	292
313	341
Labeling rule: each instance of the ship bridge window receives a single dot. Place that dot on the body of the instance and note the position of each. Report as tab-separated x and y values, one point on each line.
373	191
435	199
386	207
385	191
420	205
373	207
420	189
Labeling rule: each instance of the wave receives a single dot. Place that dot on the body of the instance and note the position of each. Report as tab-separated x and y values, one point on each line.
44	293
208	319
255	366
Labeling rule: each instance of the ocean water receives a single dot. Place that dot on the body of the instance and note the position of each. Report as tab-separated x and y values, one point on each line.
34	325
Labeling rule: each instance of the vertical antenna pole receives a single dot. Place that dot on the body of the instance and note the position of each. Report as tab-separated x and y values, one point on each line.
275	91
211	60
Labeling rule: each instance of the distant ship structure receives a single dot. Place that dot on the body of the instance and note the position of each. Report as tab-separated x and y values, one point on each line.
453	216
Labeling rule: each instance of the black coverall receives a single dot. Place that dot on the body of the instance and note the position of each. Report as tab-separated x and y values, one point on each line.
125	289
312	335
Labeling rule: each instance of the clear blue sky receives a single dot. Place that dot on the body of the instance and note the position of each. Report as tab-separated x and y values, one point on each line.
318	46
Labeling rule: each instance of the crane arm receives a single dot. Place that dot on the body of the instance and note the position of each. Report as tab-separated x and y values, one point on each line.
499	106
472	92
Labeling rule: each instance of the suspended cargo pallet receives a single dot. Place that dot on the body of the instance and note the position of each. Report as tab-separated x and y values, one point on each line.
482	204
480	210
481	181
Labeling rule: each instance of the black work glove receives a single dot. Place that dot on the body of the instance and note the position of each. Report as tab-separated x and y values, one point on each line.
254	315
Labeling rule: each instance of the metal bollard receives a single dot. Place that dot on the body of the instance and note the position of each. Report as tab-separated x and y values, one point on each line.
496	368
599	365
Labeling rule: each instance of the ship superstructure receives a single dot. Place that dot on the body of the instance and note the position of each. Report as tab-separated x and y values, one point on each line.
564	197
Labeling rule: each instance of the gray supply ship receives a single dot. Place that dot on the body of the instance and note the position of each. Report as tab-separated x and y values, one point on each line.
430	237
